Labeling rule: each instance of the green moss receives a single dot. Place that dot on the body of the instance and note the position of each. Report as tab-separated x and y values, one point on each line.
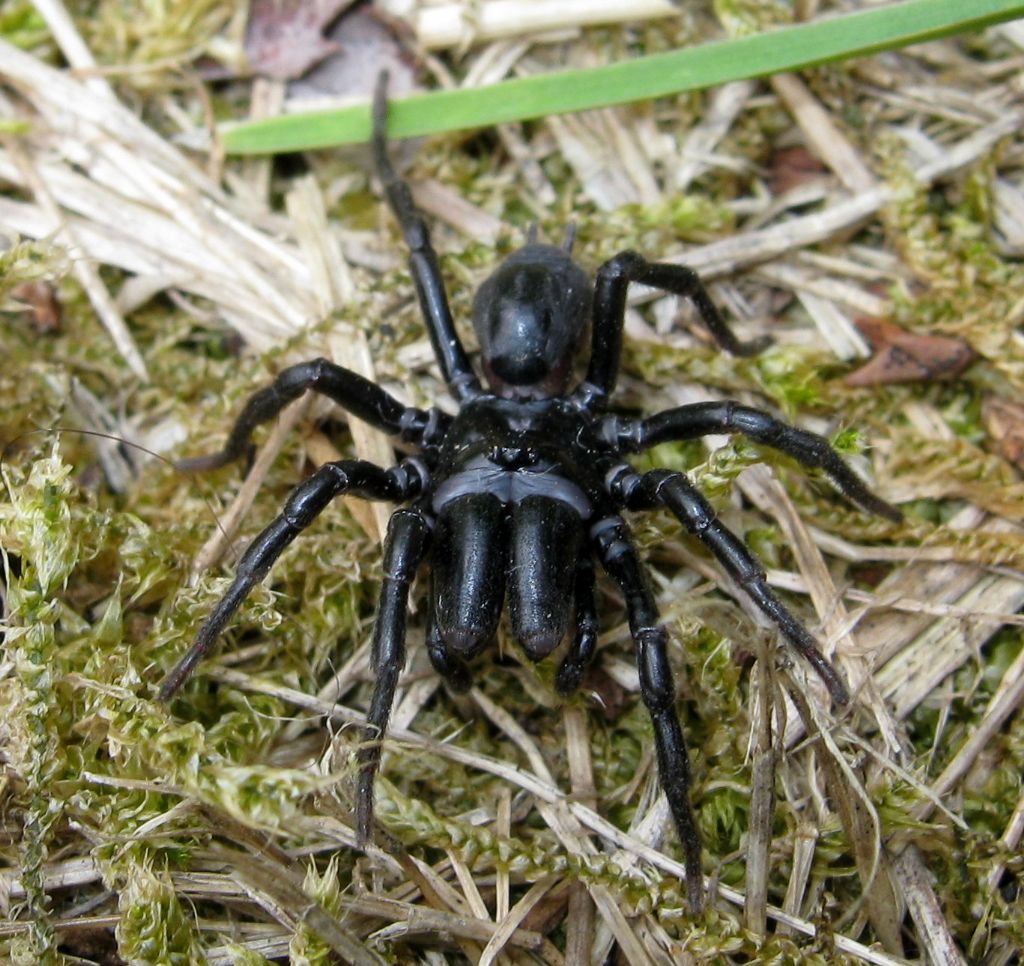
967	289
22	25
44	546
743	17
306	948
417	825
100	601
154	928
152	40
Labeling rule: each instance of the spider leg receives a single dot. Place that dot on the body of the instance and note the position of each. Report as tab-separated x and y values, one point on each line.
303	506
613	278
404	549
703	419
620	560
423	263
674	491
364	399
584	646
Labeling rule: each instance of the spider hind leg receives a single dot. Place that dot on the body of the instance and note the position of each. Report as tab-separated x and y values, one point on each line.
674	491
619	558
406	546
453	670
306	502
584	645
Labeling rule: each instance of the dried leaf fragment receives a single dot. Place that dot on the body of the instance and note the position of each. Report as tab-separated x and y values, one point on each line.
902	356
1004	420
793	167
285	37
42	307
365	44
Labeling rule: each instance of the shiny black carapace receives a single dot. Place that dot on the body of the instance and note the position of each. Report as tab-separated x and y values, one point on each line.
513	497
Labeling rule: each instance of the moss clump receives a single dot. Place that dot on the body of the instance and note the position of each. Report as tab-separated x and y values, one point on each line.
968	289
160	817
154	928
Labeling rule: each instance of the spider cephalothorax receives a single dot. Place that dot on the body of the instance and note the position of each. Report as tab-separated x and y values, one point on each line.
512	498
529	317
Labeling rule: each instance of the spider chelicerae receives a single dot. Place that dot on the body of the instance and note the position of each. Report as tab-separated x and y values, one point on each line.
514	496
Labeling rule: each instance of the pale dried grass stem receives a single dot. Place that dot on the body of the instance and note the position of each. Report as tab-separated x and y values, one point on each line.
762	799
917	888
82	267
230	520
511	922
823	134
464	23
580	920
724	105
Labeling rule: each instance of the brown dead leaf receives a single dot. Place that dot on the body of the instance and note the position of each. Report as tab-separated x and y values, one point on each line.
1004	421
792	167
42	307
285	37
902	356
365	44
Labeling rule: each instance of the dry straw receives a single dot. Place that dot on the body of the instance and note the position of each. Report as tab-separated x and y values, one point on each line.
222	832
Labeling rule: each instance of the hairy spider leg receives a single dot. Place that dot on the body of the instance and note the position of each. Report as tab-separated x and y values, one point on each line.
674	491
584	644
620	560
423	263
612	280
364	399
306	502
405	547
703	419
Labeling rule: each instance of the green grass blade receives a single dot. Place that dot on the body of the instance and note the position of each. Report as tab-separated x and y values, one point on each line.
694	68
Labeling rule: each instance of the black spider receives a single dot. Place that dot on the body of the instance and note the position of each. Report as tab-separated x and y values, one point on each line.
523	487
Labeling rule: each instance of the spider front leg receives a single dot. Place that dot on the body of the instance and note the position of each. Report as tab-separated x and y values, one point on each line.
612	281
620	560
423	263
306	502
674	491
703	419
364	399
404	549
